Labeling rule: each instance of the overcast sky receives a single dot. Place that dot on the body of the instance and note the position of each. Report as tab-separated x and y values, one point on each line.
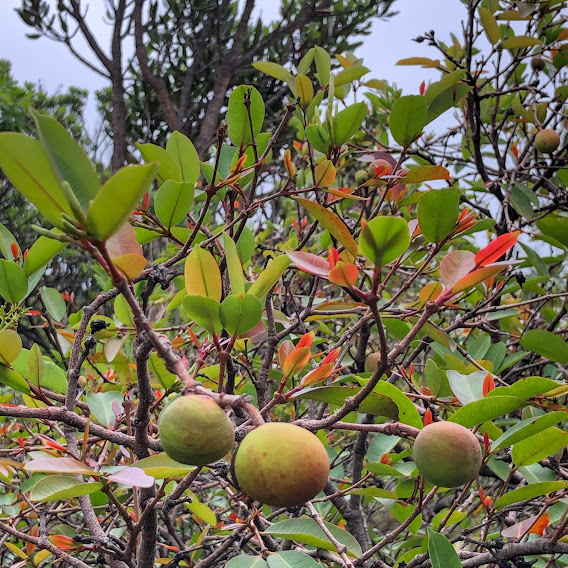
52	64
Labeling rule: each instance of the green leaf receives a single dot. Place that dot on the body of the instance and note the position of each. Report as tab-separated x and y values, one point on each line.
539	446
304	90
407	119
234	266
27	166
526	388
374	492
40	253
13	380
308	532
36	365
446	82
292	559
101	405
425	173
173	202
239	313
13	281
323	65
488	408
68	160
554	226
6	240
438	211
246	561
529	492
182	150
518	42
346	123
351	73
407	413
436	380
442	553
274	70
526	428
202	275
449	98
546	344
203	512
467	388
161	466
158	368
330	221
384	239
54	303
10	346
269	276
204	312
317	137
490	25
117	199
58	487
239	127
54	377
168	168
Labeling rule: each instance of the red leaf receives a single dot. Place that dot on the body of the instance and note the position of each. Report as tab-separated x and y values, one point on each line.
478	276
344	274
317	375
488	384
333	257
296	361
306	340
428	417
496	249
486	443
540	525
310	263
385	459
422	87
63	542
533	525
14	249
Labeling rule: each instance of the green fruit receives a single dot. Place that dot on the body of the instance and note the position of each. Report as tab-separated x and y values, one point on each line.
195	430
538	63
372	361
281	465
447	454
546	141
361	176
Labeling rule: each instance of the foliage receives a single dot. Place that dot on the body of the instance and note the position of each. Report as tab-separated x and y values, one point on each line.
278	275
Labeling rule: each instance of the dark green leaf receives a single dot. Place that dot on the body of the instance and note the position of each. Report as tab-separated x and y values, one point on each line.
407	119
438	211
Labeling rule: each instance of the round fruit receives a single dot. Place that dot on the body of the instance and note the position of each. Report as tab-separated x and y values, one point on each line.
195	430
546	141
361	176
281	465
538	63
382	166
372	361
447	454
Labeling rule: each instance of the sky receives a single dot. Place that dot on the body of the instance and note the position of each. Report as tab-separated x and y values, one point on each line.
51	64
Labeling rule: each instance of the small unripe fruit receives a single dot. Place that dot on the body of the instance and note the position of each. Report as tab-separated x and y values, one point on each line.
281	464
361	176
447	454
538	63
372	361
195	430
546	141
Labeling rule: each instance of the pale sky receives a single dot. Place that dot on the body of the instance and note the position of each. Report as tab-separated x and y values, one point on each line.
52	64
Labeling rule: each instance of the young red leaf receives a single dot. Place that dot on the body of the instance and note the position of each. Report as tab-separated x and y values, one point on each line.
306	340
310	263
317	375
296	361
496	249
486	442
488	384
344	274
428	417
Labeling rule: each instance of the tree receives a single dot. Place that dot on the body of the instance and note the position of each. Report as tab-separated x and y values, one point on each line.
189	55
325	288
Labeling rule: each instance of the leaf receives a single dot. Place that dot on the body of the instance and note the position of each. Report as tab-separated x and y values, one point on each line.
40	253
202	511
449	98
168	168
346	123
443	85
310	263
7	241
496	249
54	378
384	239
158	368
246	561
518	42
480	411
13	281
173	202
101	405
27	166
185	156
161	466
554	226
424	62
292	559
425	173
58	487
533	524
202	275
442	553
407	119
36	365
204	312
117	199
304	90
59	465
269	276
546	344
344	274
10	346
526	428
68	160
466	388
317	137
234	266
351	73
527	388
308	532
438	211
324	174
239	127
490	25
455	266
132	476
479	275
323	65
539	446
274	70
407	413
54	303
13	380
330	221
239	313
529	492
